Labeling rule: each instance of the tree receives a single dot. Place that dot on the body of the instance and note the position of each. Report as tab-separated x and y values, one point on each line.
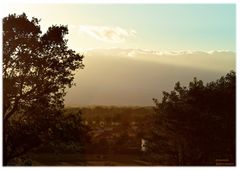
196	125
70	129
68	134
37	68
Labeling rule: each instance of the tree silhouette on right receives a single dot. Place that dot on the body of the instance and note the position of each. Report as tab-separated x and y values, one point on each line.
195	125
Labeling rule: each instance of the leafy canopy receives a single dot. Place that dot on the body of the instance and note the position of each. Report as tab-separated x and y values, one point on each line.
195	125
37	68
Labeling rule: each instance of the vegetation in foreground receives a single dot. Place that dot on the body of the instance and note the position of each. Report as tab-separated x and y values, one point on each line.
192	125
179	130
195	125
37	68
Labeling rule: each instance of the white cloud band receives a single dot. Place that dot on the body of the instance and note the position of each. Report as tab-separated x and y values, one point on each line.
107	34
218	60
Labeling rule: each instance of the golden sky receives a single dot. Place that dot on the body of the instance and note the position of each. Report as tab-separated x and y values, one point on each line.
135	51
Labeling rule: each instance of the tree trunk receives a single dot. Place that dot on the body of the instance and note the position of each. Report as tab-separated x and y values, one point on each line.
5	154
180	153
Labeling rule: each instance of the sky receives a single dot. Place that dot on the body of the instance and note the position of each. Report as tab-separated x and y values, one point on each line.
135	51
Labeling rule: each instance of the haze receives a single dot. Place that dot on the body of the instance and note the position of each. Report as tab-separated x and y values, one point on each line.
117	79
133	52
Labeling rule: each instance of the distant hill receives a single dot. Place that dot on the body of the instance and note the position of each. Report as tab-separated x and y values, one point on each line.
112	113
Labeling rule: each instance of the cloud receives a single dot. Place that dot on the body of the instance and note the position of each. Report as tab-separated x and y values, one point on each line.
216	60
107	34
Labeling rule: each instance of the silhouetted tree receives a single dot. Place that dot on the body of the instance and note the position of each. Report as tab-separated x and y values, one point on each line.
36	70
196	125
70	129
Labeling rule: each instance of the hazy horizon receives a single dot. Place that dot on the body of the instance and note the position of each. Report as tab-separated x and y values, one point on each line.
135	80
133	52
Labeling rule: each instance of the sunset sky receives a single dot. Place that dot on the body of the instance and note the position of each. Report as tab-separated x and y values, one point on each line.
135	51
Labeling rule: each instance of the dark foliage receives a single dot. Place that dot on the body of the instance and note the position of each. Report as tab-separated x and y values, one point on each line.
70	129
196	125
36	70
